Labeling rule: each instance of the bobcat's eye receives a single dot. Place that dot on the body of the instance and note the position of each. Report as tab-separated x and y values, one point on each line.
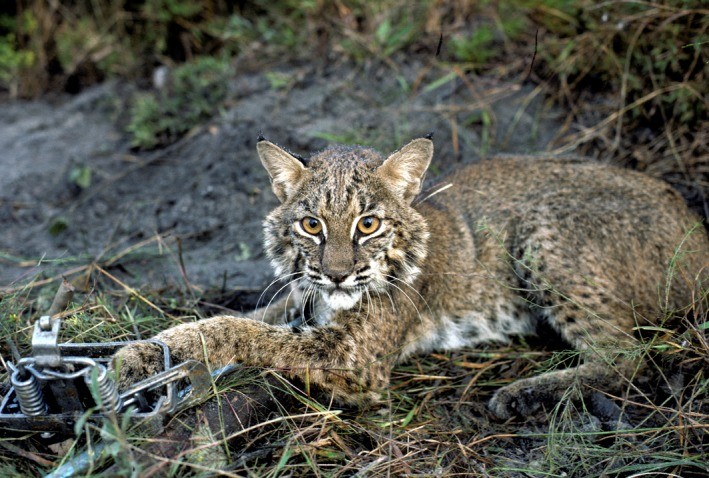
311	225
368	224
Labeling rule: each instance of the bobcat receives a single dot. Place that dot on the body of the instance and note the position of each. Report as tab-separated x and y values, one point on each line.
379	270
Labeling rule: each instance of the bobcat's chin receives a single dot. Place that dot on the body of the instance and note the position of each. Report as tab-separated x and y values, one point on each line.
340	299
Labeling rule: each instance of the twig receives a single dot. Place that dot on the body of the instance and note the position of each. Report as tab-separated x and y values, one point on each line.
365	471
62	298
38	283
492	437
26	454
131	290
183	270
534	56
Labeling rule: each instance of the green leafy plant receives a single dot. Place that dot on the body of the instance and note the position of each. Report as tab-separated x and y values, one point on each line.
392	35
475	48
80	175
194	93
12	58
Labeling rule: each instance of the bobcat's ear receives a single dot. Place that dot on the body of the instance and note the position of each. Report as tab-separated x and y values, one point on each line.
285	170
405	169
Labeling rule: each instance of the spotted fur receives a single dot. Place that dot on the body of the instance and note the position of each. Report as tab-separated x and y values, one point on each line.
500	249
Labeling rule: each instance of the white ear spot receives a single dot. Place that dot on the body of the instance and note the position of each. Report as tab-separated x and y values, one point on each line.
405	169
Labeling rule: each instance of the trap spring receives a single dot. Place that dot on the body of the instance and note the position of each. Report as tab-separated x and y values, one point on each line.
58	384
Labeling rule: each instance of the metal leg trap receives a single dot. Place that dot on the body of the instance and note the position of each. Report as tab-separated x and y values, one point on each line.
59	383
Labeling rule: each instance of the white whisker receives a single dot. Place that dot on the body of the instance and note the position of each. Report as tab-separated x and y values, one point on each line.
418	312
411	288
274	281
305	300
265	309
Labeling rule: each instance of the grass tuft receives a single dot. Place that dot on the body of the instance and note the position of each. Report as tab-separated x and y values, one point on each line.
192	95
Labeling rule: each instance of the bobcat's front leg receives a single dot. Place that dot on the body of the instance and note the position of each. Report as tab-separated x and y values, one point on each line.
332	358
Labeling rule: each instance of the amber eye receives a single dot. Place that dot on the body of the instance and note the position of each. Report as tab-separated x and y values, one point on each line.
368	224
311	225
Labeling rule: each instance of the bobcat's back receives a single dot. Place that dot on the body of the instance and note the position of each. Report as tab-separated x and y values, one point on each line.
594	220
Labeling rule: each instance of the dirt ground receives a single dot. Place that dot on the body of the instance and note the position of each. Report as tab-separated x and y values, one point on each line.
209	190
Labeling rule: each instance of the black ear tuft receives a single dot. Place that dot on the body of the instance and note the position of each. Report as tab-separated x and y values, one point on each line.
260	137
300	158
429	135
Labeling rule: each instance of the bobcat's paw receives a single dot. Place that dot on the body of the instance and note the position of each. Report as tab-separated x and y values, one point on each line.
137	361
520	398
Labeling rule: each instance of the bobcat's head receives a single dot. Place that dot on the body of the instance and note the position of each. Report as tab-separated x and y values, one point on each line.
345	227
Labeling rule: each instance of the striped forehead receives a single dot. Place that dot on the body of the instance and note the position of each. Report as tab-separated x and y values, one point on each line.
341	177
338	200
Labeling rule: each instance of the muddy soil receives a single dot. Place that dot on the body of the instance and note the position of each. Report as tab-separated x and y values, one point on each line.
209	190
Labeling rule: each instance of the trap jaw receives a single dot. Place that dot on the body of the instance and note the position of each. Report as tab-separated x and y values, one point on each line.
59	383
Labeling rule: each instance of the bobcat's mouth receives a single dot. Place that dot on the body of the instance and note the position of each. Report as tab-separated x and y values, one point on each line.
340	298
343	294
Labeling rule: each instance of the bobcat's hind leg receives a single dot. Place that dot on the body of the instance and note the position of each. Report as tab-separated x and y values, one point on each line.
607	365
524	397
585	307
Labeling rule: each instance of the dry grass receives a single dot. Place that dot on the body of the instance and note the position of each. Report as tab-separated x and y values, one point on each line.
432	421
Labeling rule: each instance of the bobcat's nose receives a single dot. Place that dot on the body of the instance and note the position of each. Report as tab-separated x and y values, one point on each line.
338	259
336	275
